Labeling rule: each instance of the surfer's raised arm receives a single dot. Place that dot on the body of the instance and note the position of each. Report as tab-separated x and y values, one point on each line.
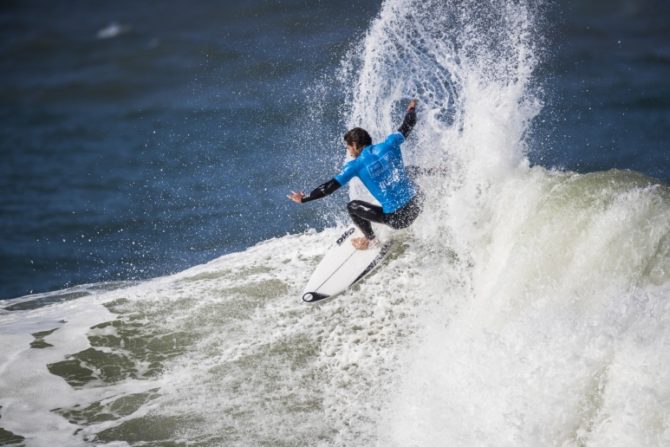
409	121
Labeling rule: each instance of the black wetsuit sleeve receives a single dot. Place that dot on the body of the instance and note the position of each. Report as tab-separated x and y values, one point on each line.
408	123
327	188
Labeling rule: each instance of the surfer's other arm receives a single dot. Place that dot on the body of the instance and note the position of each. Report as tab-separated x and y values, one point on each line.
409	121
323	190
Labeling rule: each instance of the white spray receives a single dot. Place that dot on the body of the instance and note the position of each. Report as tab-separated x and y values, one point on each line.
551	322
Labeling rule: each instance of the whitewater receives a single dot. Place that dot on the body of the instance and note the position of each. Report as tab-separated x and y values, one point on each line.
526	306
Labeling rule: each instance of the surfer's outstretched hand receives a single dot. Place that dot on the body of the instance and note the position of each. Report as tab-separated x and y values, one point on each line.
296	196
412	105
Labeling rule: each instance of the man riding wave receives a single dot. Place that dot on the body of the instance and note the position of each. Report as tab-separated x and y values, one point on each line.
381	169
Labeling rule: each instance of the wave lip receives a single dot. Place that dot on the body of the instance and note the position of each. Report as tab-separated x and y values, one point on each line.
552	276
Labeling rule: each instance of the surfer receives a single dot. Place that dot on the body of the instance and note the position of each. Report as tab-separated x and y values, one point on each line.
381	169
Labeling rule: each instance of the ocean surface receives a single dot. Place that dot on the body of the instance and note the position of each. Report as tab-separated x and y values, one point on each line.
151	265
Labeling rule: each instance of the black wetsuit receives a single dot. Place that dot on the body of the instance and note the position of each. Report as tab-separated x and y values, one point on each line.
363	213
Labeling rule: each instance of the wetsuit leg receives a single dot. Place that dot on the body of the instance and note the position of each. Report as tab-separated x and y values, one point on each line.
404	217
362	213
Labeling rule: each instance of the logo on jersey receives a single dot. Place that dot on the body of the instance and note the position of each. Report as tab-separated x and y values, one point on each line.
379	169
376	169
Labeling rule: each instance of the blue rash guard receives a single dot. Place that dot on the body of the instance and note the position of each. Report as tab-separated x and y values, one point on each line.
381	169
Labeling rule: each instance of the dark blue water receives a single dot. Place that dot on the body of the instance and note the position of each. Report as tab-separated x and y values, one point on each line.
607	90
171	138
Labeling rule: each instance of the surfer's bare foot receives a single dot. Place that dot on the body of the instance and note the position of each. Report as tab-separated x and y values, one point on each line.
360	243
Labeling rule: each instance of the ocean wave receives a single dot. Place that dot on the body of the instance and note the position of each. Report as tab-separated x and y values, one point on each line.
525	306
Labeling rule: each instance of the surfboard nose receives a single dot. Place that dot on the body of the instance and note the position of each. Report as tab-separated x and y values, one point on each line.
309	297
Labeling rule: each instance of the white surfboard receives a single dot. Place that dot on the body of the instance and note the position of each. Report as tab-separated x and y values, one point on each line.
343	266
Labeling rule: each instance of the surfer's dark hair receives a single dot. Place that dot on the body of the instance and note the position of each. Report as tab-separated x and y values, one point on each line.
358	137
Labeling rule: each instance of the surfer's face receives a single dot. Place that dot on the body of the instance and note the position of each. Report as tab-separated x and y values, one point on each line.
353	150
